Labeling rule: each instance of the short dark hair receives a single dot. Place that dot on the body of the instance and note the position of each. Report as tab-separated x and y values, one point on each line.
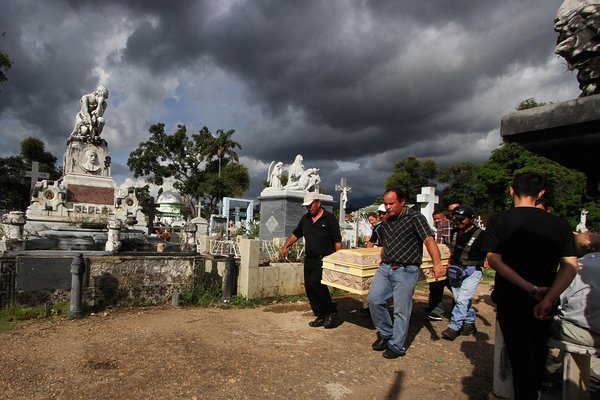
399	194
438	211
528	184
373	214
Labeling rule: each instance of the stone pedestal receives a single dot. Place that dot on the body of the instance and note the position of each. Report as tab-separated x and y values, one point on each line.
281	210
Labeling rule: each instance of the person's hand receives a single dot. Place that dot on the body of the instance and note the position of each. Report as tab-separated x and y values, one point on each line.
541	292
542	309
284	253
438	271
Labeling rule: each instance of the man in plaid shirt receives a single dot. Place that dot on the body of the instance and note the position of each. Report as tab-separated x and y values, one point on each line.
402	236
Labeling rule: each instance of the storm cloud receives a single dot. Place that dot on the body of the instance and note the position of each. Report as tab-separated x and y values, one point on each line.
351	85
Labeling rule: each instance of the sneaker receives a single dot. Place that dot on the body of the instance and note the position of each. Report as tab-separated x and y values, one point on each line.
380	344
450	334
434	317
331	321
468	329
317	322
391	354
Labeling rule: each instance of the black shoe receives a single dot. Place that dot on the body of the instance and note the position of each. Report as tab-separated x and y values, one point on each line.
450	334
391	354
380	344
331	321
317	322
435	317
468	329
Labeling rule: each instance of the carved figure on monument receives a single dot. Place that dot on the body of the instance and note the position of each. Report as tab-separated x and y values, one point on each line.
296	170
90	161
581	226
577	23
309	179
274	175
89	121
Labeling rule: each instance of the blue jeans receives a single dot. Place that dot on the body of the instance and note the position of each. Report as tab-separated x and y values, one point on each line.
463	292
400	284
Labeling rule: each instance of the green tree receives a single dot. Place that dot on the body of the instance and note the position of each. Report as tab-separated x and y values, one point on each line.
188	162
233	182
15	188
462	183
222	147
5	65
410	174
566	187
174	156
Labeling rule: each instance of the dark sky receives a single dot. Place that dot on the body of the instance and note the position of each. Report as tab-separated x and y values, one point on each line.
351	85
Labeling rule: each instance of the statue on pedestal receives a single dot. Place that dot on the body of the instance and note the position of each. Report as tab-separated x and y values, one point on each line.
87	152
89	121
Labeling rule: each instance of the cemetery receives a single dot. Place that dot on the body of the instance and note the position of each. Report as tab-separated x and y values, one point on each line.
87	241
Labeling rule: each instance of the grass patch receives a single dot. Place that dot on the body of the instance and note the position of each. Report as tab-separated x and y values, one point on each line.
205	293
11	316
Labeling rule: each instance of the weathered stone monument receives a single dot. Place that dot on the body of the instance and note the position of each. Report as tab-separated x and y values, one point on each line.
85	196
281	206
568	132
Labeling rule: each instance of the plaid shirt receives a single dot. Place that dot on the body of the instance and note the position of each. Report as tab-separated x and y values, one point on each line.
402	238
442	231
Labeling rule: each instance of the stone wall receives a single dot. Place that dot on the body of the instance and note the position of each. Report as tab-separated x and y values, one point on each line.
130	280
135	280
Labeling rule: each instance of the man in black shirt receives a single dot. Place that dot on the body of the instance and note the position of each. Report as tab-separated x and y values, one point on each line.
321	232
524	245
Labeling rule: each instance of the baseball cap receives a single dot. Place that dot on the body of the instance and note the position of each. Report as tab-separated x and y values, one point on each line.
381	208
310	197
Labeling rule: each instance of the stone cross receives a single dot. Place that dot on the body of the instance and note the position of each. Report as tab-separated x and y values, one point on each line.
343	188
35	174
427	199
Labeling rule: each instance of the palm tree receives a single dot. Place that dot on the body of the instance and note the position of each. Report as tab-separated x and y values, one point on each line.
222	146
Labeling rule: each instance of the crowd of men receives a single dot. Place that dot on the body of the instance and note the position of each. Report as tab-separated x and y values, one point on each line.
532	251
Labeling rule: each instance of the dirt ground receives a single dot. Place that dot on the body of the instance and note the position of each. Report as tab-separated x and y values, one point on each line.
264	353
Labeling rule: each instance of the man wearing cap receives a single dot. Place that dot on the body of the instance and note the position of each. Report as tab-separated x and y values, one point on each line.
402	235
465	271
321	232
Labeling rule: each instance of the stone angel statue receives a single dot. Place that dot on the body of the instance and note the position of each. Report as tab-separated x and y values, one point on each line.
274	175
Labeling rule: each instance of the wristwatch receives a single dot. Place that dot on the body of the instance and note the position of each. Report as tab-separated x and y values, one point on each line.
533	291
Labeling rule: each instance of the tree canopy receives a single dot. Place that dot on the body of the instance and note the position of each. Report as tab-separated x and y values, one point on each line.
410	174
5	65
14	188
201	165
485	186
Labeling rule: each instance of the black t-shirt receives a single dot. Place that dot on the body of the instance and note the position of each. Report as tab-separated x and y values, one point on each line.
531	241
475	254
320	237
